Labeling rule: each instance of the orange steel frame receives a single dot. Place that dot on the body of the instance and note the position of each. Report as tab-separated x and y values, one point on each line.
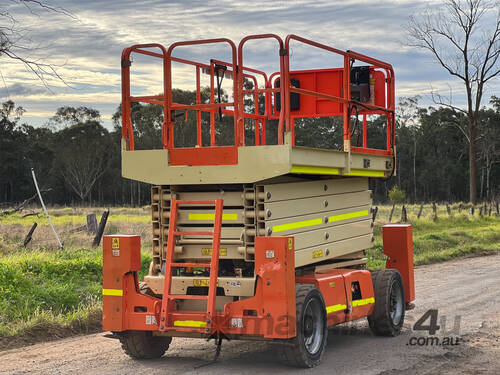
269	314
239	72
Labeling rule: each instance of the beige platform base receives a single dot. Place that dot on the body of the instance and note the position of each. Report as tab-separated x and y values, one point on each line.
255	163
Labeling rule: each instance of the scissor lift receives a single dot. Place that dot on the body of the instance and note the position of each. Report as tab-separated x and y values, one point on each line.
289	224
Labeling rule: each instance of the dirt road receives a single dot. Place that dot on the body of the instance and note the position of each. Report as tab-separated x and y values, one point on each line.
465	292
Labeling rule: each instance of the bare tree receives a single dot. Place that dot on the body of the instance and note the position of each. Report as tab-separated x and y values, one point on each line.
82	171
464	37
15	42
83	155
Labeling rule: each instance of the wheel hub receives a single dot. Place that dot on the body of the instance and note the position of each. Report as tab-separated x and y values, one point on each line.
396	303
312	326
308	326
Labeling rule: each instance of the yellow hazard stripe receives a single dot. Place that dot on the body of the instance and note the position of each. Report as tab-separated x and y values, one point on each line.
204	217
334	308
335	171
313	170
359	302
297	225
112	292
365	173
318	221
189	323
349	215
362	302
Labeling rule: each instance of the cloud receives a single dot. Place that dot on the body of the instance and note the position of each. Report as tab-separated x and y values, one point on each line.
20	90
87	49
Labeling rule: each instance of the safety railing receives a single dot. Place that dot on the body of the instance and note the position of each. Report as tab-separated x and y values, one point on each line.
347	103
285	116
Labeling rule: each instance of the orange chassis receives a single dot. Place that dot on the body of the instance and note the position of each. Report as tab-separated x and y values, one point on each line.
270	313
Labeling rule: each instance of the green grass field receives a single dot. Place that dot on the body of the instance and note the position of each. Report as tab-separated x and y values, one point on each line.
46	292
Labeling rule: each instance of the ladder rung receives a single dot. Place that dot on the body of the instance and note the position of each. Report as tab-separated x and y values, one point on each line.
187	296
194	233
205	265
213	266
195	202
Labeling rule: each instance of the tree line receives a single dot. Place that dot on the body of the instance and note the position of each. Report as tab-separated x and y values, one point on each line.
79	159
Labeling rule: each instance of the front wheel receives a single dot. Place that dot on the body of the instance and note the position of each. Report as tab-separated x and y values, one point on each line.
306	349
389	312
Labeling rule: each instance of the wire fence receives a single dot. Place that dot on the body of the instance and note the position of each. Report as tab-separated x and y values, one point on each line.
404	213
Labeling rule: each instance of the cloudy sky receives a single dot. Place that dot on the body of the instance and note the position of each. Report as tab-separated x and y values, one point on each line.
86	48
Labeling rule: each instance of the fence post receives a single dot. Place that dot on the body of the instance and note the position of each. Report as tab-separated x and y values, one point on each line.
92	223
100	230
448	209
420	211
374	214
404	217
434	209
392	211
28	237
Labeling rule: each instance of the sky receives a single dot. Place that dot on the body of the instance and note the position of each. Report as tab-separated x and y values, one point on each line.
86	47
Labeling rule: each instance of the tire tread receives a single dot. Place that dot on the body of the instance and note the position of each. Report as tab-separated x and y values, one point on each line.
142	344
291	352
379	321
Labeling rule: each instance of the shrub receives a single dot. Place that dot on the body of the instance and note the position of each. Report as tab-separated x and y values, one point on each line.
396	195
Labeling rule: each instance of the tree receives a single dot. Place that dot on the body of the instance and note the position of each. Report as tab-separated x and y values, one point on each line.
464	37
322	132
11	140
68	116
82	156
440	143
15	43
489	141
396	195
407	128
147	120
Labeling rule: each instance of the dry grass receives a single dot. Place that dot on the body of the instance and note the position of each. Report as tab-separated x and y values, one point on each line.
13	228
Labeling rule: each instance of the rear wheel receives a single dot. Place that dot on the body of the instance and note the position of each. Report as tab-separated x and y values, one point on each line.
306	349
389	313
143	345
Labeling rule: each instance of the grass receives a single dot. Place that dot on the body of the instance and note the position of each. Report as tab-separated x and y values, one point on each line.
48	293
77	217
447	237
13	228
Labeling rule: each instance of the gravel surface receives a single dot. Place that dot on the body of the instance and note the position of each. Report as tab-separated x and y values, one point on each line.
465	292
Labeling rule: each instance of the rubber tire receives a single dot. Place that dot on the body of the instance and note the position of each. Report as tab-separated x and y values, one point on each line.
293	352
145	289
143	345
380	320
